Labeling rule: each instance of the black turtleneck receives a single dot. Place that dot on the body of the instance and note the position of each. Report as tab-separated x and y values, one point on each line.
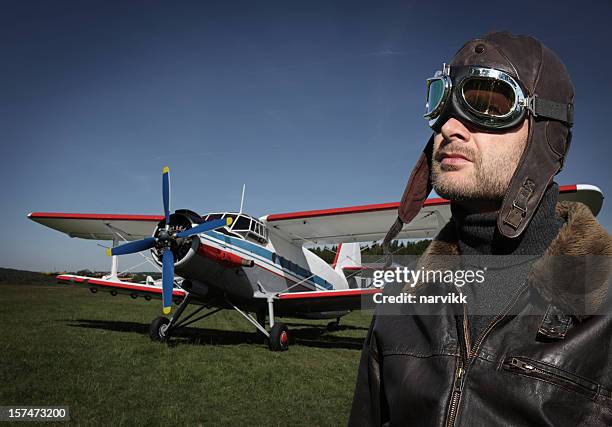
507	270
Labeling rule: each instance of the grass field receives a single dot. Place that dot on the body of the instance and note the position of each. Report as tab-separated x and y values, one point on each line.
65	346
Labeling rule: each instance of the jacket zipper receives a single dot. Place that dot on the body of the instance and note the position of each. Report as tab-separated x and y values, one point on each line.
468	354
457	386
460	370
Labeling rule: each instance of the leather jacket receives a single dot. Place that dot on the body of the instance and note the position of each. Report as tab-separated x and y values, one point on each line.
545	360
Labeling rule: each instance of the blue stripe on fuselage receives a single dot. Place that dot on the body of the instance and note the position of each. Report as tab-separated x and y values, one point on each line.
266	254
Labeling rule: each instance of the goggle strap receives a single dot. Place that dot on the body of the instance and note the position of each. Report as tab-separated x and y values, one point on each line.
551	109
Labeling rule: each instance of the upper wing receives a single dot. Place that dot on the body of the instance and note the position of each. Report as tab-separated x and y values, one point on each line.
350	224
371	222
358	223
99	226
590	195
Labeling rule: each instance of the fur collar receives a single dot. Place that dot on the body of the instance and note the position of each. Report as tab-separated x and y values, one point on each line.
574	272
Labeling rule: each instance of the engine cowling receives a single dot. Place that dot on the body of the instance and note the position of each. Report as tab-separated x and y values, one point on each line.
182	248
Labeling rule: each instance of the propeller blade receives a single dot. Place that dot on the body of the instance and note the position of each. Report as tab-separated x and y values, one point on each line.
166	192
205	226
132	247
167	279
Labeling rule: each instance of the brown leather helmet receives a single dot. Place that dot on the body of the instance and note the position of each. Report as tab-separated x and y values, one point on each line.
546	82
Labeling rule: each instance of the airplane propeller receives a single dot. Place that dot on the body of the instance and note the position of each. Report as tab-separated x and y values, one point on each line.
164	240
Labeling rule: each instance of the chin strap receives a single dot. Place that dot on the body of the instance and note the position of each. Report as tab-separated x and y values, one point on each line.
519	205
540	162
386	245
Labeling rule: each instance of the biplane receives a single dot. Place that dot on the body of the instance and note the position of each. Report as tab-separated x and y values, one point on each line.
260	267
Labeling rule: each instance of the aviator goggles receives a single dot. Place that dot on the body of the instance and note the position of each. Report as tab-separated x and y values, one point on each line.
486	97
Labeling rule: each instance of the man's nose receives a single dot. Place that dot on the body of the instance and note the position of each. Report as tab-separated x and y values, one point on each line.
453	129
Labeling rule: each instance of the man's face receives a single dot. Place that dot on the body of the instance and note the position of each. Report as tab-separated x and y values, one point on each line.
469	164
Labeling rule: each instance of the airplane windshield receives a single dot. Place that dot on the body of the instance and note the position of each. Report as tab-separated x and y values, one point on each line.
251	228
242	223
243	226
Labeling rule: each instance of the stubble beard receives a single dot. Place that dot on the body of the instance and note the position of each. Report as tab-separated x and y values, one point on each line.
488	180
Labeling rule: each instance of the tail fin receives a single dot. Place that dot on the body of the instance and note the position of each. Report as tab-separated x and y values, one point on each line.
347	255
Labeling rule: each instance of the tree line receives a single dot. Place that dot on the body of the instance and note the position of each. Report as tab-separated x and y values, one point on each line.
398	247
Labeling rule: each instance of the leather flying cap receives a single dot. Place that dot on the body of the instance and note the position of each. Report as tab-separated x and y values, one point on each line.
544	77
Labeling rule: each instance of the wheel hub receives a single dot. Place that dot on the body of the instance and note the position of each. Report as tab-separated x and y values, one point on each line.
162	330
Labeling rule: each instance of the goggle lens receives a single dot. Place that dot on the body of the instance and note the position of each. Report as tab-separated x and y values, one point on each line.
490	97
435	93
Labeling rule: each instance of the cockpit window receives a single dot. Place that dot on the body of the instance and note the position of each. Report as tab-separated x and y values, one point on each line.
242	223
213	216
243	226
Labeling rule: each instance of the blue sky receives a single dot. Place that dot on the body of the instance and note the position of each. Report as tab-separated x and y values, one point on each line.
312	104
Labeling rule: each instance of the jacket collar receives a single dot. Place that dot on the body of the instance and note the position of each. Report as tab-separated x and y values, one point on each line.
572	275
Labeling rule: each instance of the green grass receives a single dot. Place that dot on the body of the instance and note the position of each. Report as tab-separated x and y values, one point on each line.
64	346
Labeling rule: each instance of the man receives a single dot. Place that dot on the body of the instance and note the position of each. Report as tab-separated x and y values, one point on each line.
532	344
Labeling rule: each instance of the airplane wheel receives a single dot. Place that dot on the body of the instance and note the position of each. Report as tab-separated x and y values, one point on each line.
333	326
279	337
158	328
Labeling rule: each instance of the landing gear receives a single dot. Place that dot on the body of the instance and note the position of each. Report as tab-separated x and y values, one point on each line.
279	337
158	331
334	325
161	328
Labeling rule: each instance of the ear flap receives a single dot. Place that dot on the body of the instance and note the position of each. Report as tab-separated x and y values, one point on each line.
417	189
418	186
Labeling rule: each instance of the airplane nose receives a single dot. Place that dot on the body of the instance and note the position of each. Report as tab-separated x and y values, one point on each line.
168	240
